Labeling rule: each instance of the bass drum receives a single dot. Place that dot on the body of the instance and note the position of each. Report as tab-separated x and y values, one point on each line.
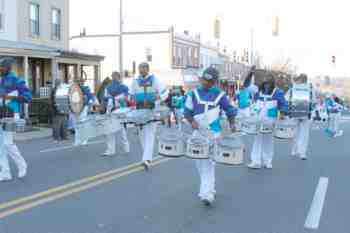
76	99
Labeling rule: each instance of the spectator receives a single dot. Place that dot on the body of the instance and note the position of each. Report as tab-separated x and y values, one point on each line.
60	121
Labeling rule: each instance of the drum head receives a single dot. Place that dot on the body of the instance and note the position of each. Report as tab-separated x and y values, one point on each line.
76	99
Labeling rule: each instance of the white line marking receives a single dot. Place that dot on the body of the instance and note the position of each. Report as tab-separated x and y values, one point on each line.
68	147
315	212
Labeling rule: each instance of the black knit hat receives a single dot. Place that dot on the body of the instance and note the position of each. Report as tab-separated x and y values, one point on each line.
7	62
210	74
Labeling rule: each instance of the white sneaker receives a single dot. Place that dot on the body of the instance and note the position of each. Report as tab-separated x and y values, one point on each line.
4	178
254	166
268	165
303	157
208	199
339	134
147	164
106	154
22	173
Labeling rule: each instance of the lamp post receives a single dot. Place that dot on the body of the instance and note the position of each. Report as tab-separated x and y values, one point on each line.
121	39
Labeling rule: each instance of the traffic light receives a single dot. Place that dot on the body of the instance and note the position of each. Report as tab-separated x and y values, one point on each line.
333	59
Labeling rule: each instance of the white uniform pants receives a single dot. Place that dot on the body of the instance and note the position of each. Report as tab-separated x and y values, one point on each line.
147	137
10	149
301	138
334	119
244	112
262	149
206	170
111	142
83	115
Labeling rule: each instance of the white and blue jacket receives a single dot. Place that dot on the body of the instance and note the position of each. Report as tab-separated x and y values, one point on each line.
205	107
147	89
116	94
268	106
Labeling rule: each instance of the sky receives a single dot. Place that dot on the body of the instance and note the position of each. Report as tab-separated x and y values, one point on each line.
311	31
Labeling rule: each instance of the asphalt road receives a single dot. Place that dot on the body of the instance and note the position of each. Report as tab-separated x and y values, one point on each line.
295	197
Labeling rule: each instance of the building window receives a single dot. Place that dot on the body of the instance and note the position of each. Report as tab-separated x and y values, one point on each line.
56	24
34	19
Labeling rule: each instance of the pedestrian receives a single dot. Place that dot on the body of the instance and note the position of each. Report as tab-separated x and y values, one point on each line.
60	118
270	103
145	90
14	93
334	114
117	96
202	110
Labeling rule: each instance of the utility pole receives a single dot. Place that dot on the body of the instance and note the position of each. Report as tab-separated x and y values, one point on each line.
121	39
252	46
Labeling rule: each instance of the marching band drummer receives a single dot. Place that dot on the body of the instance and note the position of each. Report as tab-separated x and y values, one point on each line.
245	95
13	91
117	97
334	113
89	99
301	138
270	102
145	90
202	110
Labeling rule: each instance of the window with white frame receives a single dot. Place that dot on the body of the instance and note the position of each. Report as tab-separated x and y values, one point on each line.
34	19
2	17
56	24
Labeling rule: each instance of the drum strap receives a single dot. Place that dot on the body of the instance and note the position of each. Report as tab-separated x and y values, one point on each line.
208	103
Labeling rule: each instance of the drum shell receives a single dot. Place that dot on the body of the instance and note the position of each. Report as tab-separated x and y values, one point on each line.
284	130
199	147
171	143
121	114
230	151
161	113
140	116
300	101
13	125
105	125
267	127
251	126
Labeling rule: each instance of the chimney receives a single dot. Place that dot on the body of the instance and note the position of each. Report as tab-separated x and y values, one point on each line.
186	33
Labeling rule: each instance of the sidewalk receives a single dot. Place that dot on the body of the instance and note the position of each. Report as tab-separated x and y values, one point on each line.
37	133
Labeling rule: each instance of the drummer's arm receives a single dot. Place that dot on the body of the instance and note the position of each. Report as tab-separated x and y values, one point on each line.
282	103
188	111
24	93
230	111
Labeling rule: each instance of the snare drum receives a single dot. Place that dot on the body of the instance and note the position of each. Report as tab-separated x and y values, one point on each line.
285	129
171	143
13	125
161	113
251	125
121	114
230	151
266	127
198	147
140	116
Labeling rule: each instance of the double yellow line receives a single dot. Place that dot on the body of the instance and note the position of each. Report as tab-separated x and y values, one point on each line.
32	201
